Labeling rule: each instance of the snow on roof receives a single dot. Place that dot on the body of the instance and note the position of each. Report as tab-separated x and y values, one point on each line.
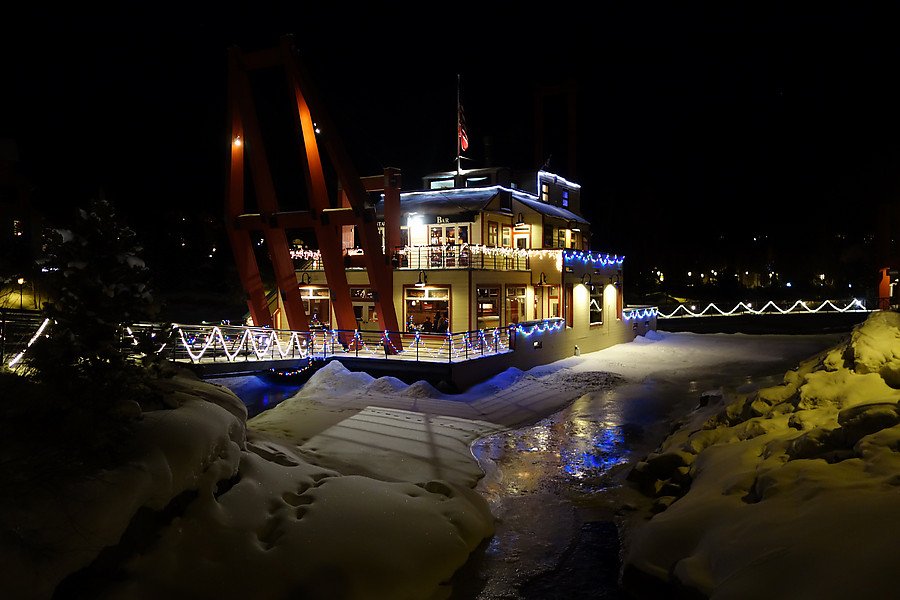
454	201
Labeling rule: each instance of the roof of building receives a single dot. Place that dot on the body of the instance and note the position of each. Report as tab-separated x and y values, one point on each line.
455	201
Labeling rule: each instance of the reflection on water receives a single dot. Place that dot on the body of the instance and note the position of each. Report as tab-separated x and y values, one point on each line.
572	451
266	398
550	483
258	393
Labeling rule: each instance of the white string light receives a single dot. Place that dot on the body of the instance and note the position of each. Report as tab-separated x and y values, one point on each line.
18	357
800	306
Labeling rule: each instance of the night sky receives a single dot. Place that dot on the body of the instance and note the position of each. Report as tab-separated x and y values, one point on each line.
692	124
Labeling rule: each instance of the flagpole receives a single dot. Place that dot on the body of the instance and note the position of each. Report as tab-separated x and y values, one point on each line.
458	125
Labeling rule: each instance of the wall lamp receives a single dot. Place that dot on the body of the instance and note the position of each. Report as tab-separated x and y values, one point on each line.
542	281
423	279
520	220
305	280
586	279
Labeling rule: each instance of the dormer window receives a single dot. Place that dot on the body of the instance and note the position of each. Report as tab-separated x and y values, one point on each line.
441	184
545	192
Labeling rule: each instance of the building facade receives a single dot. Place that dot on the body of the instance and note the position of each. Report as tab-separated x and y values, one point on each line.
485	250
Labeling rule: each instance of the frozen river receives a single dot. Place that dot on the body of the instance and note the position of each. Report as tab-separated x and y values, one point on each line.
556	487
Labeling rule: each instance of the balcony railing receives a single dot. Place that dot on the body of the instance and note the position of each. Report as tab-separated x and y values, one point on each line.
220	343
460	257
434	257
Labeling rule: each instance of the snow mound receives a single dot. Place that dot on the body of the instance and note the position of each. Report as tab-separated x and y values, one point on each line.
184	451
385	385
207	509
334	378
421	389
651	336
498	382
753	500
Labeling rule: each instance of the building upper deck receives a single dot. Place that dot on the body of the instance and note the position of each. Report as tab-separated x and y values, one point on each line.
469	257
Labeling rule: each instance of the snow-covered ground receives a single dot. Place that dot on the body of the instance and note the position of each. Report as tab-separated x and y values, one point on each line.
792	491
363	488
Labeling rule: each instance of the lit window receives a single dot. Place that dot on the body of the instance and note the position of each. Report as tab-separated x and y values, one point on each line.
565	196
596	308
545	192
515	304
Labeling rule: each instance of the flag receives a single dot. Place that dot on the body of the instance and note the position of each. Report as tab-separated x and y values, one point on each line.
463	134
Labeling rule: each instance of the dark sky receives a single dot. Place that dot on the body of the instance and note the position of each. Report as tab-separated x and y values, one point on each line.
689	120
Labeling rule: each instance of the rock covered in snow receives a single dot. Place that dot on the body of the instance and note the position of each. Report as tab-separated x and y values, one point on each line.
787	492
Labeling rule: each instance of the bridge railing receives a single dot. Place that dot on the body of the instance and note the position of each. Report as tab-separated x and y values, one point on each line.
223	343
194	343
767	308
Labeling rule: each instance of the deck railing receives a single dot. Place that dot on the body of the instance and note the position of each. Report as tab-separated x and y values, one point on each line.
681	311
222	343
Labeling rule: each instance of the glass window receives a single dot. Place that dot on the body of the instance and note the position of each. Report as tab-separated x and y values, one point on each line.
427	310
521	240
515	304
507	236
545	192
317	304
554	301
493	230
487	300
596	308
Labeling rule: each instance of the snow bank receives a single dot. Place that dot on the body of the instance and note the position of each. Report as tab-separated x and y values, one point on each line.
210	509
185	450
789	492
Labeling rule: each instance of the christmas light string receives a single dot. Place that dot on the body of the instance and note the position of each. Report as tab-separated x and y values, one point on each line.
799	306
18	357
561	256
639	313
256	340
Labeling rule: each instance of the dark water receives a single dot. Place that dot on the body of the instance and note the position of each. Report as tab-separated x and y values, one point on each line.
258	392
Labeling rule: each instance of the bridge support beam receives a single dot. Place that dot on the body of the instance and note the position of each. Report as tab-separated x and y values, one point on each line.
245	130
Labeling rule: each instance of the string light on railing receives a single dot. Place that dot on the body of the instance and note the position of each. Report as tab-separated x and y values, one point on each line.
800	306
588	257
639	313
18	357
540	328
305	254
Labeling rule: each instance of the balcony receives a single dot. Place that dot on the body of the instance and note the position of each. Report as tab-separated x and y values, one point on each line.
466	256
461	257
417	258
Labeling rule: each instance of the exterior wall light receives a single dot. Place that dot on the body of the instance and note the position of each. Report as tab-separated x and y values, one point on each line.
423	279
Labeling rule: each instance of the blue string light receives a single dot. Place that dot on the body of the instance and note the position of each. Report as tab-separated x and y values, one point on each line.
589	258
